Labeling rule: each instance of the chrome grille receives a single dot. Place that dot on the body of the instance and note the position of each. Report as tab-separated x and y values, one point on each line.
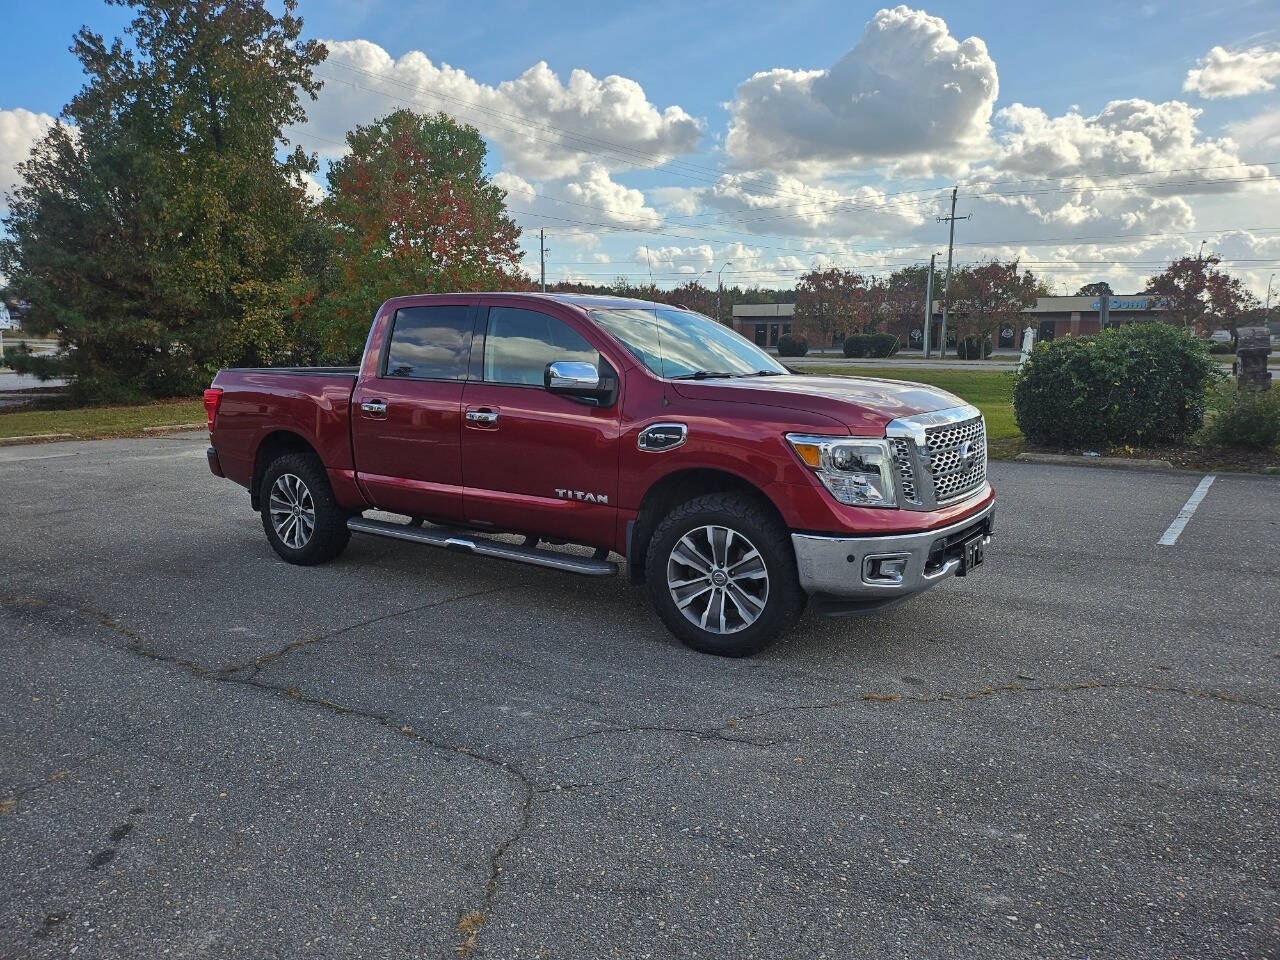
946	445
905	475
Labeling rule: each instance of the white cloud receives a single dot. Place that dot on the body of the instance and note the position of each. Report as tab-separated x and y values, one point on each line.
1258	133
775	203
19	130
680	201
1234	73
1129	167
615	203
907	87
544	127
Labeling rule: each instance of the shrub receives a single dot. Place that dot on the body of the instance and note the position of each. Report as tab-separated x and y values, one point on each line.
1220	347
973	348
1136	384
871	345
858	345
884	344
791	345
1246	418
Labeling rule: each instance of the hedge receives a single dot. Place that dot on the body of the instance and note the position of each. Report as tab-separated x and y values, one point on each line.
871	345
792	345
1136	384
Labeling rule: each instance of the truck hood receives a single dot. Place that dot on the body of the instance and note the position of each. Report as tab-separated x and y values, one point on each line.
864	404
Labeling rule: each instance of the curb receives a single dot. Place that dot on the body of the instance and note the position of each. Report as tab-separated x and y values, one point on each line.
34	438
1117	463
173	427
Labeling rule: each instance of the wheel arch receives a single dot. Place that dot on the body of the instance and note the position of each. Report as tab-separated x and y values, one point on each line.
674	489
273	445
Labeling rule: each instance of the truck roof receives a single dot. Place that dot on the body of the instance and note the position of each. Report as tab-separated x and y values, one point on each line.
586	301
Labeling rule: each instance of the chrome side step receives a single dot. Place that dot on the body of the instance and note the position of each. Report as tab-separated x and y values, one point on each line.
483	546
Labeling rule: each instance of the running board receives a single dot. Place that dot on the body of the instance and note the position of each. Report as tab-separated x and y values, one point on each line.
483	546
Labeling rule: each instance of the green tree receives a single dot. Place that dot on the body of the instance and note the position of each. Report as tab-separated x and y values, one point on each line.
412	212
1095	289
151	231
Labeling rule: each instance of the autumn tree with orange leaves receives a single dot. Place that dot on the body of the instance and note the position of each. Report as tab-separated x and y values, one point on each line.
411	211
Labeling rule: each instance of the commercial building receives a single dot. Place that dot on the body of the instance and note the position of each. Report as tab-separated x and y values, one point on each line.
1051	317
1079	316
763	323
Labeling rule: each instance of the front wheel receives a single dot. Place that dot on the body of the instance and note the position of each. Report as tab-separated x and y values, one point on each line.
722	575
303	522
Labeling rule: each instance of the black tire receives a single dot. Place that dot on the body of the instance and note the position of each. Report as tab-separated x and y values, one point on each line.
328	535
752	521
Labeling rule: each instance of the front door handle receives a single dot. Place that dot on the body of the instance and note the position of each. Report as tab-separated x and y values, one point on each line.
377	408
486	417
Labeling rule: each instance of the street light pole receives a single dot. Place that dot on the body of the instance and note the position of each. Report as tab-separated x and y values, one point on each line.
720	289
928	305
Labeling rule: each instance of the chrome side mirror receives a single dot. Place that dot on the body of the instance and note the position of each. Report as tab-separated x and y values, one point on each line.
582	382
571	376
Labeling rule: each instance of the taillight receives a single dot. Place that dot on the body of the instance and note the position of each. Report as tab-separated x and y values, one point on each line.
212	398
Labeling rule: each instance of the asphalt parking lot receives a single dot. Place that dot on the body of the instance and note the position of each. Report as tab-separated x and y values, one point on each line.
205	752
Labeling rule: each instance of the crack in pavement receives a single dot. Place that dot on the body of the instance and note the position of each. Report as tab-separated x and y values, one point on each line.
1075	687
471	923
706	733
257	663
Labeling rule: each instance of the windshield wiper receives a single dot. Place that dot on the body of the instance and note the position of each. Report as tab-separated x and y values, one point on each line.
764	373
705	375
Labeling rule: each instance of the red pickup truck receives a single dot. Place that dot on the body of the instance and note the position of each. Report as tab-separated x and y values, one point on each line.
735	489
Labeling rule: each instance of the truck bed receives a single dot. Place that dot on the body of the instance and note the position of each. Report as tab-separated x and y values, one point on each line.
311	371
313	403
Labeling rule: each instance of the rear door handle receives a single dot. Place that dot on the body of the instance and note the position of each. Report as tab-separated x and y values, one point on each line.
485	417
377	408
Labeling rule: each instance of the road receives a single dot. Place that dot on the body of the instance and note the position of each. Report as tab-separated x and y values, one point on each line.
407	753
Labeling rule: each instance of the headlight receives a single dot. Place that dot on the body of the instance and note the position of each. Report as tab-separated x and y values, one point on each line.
857	471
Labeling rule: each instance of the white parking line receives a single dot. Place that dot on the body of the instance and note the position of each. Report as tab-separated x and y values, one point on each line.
1171	535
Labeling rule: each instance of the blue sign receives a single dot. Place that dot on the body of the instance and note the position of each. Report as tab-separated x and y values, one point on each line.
1136	303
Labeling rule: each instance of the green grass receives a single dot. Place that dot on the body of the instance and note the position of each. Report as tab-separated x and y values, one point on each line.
86	422
989	390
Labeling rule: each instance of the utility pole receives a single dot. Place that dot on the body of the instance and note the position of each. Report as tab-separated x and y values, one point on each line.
946	286
542	258
928	305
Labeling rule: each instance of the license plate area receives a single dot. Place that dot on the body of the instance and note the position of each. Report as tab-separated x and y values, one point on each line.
973	555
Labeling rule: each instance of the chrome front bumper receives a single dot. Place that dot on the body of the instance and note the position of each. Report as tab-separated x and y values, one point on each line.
842	568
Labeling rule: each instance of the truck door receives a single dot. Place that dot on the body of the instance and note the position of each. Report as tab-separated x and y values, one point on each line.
406	419
533	461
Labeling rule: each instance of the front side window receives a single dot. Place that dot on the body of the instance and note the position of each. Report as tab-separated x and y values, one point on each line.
430	343
681	343
520	343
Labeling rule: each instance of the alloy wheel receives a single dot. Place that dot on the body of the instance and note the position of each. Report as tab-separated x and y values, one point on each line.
293	511
718	579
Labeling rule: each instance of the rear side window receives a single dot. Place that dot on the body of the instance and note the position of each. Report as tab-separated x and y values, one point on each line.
520	343
430	343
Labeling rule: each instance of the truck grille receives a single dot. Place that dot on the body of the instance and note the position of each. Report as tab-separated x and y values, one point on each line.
957	459
902	463
938	458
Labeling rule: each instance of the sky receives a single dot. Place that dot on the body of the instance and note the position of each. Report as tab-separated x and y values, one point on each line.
756	141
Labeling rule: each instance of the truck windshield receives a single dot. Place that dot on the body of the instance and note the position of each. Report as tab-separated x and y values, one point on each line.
683	344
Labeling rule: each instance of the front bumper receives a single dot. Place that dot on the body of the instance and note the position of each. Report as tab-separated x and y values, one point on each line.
843	568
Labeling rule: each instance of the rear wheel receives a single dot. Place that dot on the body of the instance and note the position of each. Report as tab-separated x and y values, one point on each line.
303	523
722	575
